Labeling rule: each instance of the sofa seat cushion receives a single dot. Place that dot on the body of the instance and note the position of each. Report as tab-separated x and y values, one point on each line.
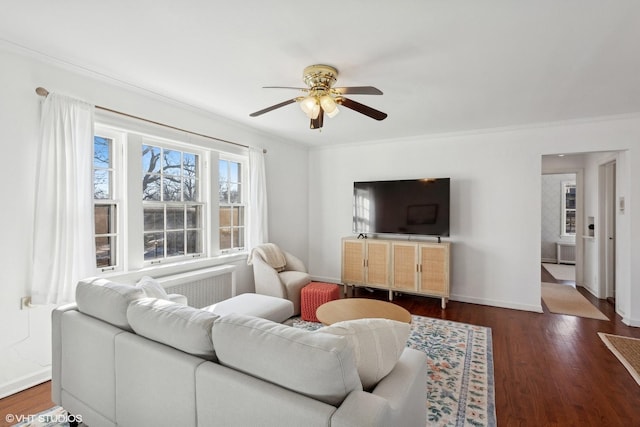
107	301
263	306
176	325
321	366
378	344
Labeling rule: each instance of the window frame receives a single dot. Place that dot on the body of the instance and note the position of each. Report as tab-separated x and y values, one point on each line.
131	135
243	203
167	204
565	186
117	141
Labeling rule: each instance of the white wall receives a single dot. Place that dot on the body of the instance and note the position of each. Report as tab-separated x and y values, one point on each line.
25	334
495	202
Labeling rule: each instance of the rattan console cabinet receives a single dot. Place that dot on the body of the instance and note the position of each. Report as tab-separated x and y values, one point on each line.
415	267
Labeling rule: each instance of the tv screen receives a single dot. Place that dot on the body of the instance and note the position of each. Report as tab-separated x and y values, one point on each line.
411	206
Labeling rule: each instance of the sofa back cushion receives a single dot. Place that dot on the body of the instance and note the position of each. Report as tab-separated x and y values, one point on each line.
107	301
321	366
179	326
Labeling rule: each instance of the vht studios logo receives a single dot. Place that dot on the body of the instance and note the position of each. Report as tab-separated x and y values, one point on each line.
43	418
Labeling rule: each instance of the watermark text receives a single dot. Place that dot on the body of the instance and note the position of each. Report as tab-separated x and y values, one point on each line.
42	418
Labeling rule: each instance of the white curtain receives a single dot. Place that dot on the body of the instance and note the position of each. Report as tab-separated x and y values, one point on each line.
257	226
63	242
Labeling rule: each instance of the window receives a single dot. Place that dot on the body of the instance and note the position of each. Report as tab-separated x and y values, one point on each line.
161	200
105	205
170	198
568	208
231	209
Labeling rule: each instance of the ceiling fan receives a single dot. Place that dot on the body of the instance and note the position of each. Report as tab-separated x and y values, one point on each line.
322	98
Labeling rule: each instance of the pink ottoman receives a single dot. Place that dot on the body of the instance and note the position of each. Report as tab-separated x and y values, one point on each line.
314	295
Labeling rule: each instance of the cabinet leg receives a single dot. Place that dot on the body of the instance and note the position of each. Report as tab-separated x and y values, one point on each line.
444	303
390	295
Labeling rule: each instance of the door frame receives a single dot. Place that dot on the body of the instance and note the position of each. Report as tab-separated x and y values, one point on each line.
607	257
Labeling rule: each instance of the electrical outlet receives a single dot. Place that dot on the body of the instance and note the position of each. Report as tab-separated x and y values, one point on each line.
25	302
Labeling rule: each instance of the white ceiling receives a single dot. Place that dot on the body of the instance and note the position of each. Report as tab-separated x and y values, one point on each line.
444	66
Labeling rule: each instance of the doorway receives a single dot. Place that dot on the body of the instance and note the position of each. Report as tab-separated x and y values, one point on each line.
559	225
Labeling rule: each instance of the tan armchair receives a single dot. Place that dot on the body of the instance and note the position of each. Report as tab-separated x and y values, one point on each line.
286	283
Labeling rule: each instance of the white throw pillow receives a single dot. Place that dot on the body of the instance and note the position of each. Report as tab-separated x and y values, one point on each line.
152	288
377	344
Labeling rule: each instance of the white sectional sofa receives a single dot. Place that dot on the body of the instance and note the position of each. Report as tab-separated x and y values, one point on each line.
122	359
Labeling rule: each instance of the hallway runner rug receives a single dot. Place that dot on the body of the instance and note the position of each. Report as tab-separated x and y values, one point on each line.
460	387
561	271
627	350
565	299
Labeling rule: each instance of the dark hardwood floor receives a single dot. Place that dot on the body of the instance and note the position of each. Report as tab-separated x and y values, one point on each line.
28	402
549	369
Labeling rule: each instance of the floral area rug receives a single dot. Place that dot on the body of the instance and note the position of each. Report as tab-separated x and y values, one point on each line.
460	388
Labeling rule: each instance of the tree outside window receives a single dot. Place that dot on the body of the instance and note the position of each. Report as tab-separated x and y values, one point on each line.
172	212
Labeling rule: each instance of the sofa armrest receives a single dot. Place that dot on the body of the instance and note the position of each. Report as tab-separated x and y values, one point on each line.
404	388
56	350
266	279
177	298
294	263
363	409
399	399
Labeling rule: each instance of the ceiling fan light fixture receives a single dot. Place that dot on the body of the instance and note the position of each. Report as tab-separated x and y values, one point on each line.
329	105
315	112
321	97
309	104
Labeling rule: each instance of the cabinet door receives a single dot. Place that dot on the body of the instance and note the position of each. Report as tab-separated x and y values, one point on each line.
434	267
377	263
405	271
353	252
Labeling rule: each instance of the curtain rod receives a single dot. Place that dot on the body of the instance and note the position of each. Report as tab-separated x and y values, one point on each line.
44	92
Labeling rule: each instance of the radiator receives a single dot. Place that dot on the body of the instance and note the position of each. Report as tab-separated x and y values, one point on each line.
566	253
202	287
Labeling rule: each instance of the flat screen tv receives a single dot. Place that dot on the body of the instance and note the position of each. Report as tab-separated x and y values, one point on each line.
410	206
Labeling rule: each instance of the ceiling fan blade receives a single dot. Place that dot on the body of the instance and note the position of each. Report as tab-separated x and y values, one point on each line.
273	107
317	123
286	87
357	90
361	108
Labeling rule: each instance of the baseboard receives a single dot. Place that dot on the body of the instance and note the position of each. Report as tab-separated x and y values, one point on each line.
25	382
326	280
630	322
461	298
591	291
497	303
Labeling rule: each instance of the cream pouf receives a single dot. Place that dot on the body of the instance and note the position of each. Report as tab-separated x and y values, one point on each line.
256	305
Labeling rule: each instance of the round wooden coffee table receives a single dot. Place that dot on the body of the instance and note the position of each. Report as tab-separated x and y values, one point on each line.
360	308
